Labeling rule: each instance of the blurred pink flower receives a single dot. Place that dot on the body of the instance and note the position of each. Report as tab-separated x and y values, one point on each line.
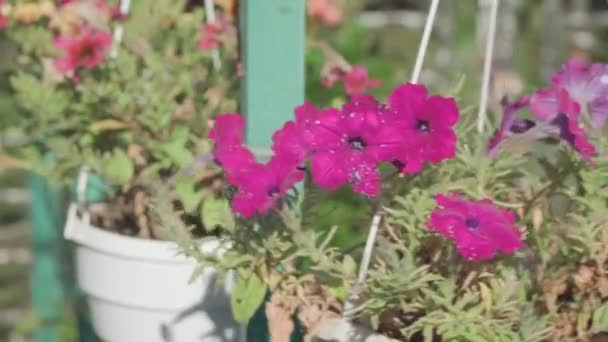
427	123
585	83
478	228
87	49
327	12
211	36
356	81
3	19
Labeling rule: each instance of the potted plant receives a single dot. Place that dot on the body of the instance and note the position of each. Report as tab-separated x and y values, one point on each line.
128	94
484	245
476	233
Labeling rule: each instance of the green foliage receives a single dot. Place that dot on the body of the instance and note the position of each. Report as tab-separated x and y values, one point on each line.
141	115
248	294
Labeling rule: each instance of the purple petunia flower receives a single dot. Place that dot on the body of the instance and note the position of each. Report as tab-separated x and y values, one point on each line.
586	84
478	228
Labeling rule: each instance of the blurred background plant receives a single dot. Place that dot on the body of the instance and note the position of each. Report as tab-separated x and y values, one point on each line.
382	36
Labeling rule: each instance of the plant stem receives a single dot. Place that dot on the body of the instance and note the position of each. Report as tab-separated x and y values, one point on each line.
424	43
487	68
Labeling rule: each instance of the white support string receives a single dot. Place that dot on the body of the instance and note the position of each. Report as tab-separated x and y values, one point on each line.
81	192
487	67
349	305
424	43
210	16
119	29
347	311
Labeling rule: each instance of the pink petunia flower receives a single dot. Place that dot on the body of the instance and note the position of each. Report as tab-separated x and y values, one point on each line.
347	145
427	122
586	84
3	19
478	228
211	36
87	49
264	186
325	11
356	81
294	138
229	150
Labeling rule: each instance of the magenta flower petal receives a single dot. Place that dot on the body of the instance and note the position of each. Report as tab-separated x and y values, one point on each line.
228	130
543	104
479	229
330	170
263	187
348	145
366	179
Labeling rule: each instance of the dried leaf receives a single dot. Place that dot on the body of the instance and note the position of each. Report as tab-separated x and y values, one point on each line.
280	324
8	162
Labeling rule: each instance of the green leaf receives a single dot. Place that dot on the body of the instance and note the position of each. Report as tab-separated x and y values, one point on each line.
349	265
216	212
118	167
600	319
178	153
188	194
247	296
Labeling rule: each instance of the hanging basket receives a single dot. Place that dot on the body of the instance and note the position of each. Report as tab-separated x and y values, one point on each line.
139	290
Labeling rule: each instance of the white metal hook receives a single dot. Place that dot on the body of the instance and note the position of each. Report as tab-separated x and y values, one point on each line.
487	67
81	192
424	43
119	29
210	16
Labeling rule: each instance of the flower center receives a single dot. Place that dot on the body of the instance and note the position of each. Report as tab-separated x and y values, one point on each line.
422	126
273	191
521	126
472	223
87	52
357	143
398	164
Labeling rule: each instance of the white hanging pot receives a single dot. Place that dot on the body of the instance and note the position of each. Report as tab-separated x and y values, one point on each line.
139	290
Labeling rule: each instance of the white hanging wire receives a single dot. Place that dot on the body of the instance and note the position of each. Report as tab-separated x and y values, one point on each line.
119	28
81	192
210	17
487	68
424	43
349	305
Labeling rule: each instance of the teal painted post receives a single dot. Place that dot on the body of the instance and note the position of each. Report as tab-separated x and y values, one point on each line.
273	49
48	294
